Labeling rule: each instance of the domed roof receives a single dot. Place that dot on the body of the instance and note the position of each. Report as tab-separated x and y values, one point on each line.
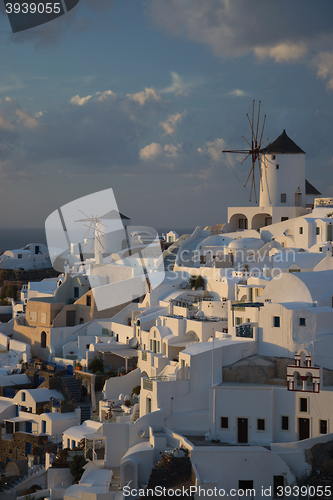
246	243
217	240
283	145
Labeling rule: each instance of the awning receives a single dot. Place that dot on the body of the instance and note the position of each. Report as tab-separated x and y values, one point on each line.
123	352
19	419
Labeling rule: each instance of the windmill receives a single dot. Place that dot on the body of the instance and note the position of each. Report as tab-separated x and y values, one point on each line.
93	223
254	149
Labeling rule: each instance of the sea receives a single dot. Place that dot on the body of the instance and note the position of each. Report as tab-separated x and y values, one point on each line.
11	239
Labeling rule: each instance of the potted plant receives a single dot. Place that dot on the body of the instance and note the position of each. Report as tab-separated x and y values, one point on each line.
78	366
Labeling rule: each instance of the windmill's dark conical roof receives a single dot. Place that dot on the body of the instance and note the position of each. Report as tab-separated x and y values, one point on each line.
113	214
283	145
310	189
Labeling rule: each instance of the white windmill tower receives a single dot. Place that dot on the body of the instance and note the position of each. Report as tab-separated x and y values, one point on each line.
94	224
283	174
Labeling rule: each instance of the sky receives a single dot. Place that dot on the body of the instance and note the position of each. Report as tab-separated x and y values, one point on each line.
142	96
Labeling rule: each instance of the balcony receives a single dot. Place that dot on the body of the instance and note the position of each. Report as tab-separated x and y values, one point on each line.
148	382
245	331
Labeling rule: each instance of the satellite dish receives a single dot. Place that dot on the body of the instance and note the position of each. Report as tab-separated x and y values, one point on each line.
134	343
183	284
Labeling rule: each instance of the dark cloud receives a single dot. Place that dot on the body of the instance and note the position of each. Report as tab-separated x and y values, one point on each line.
236	27
102	133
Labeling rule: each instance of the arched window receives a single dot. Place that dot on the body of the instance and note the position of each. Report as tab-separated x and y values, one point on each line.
43	339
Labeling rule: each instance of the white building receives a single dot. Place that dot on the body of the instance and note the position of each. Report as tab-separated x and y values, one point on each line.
32	256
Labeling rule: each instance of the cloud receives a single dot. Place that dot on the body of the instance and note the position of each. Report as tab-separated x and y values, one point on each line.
169	125
323	62
283	52
5	124
80	101
234	28
213	149
145	95
80	137
105	133
237	93
105	95
150	152
27	120
172	150
178	86
99	96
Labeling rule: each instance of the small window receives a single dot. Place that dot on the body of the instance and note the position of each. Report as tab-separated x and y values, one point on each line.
322	426
76	292
284	423
261	424
224	423
276	321
277	166
43	318
273	157
300	230
283	198
88	300
284	219
23	396
19	256
239	321
302	322
320	249
33	316
303	405
81	322
317	230
87	347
